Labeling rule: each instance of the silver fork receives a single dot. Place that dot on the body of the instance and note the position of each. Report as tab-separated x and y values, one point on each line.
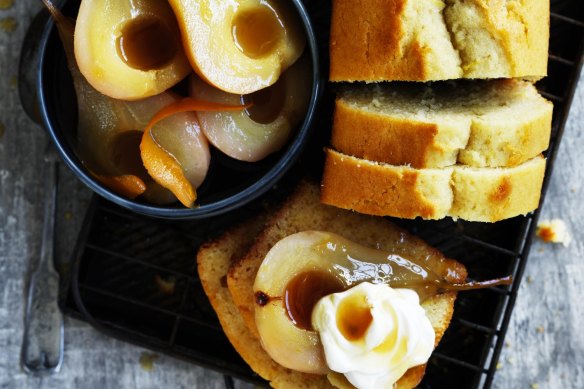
43	342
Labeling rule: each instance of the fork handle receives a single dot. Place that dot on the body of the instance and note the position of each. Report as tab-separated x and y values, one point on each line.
42	346
43	343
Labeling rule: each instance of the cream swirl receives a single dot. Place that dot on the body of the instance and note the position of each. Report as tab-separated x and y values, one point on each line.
373	334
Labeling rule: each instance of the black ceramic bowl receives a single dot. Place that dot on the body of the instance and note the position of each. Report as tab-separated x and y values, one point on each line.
229	184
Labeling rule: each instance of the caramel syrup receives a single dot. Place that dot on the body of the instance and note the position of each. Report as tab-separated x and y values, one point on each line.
125	155
257	31
146	43
266	103
303	292
354	317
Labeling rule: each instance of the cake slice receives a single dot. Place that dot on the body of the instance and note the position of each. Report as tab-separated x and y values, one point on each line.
301	212
414	40
469	193
214	260
476	123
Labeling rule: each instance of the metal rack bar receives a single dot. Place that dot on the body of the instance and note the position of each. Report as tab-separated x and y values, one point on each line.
561	60
552	97
459	362
178	319
478	327
563	18
499	290
135	260
448	236
119	212
149	306
488	245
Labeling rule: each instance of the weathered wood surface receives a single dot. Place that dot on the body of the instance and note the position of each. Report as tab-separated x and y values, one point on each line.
545	342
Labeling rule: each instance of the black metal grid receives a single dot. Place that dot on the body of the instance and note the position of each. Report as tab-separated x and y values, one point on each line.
121	258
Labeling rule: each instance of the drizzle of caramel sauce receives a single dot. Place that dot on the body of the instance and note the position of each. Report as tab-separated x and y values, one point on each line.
257	31
354	317
303	292
266	103
146	43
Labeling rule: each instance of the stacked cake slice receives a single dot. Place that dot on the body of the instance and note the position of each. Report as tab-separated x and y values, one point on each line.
467	149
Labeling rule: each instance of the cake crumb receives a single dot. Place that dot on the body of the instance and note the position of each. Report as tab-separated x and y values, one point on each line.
534	386
553	231
499	366
507	344
147	361
529	279
166	284
540	329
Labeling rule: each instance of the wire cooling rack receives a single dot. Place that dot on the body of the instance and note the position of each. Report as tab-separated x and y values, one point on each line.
135	278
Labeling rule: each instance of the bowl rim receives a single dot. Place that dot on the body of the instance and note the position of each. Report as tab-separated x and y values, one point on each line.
261	186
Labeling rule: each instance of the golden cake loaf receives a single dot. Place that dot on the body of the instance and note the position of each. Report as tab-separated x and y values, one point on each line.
414	40
469	193
242	251
477	123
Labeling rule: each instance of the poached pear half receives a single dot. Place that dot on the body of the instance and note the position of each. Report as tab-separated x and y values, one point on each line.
308	265
239	46
129	49
255	133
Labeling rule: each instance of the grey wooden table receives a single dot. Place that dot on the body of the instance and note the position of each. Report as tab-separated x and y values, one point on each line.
544	345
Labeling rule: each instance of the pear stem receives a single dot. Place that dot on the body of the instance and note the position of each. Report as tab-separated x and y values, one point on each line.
445	285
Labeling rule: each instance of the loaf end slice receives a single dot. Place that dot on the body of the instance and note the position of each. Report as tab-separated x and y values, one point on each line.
213	261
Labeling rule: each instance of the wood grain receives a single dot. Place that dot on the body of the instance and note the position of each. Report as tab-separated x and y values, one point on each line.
545	339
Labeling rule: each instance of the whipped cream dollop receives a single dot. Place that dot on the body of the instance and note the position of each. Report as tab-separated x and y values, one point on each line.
373	334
